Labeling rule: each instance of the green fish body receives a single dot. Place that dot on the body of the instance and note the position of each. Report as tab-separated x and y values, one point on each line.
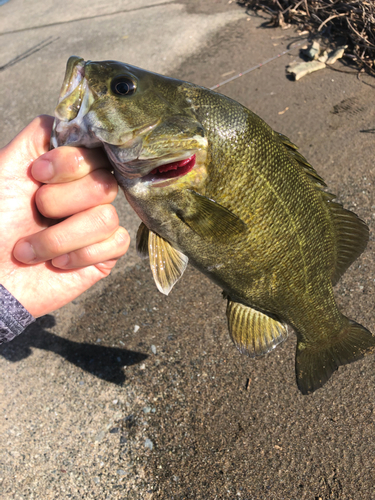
216	186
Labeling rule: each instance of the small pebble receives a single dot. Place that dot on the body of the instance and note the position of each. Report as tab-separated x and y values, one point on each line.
136	328
121	472
149	444
153	349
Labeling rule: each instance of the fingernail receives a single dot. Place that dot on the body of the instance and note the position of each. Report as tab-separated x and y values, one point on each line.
43	170
24	252
61	261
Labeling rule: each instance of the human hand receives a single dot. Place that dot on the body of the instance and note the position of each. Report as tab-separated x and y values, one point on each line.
60	235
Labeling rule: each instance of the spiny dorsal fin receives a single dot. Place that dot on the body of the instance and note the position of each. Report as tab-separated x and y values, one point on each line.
167	263
352	235
142	241
308	169
254	333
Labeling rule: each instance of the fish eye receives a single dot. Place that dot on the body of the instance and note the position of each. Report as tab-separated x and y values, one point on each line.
123	85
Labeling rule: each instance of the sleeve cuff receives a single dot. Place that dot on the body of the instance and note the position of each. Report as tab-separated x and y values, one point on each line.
14	318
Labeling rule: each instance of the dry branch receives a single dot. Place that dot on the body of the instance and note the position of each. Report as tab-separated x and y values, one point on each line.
353	19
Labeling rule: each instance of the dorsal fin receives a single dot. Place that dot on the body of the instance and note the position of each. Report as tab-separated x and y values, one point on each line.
308	169
351	232
352	235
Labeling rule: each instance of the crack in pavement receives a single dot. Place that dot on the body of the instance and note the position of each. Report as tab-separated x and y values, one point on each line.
29	52
95	16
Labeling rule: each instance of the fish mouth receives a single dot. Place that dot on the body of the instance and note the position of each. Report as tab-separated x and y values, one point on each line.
70	125
170	171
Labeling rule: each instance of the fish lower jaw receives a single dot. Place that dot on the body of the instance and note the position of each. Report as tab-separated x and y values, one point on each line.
72	133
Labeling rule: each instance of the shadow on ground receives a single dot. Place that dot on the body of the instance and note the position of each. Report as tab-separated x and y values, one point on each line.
101	361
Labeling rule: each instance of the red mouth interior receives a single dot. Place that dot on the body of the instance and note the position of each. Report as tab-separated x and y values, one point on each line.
175	169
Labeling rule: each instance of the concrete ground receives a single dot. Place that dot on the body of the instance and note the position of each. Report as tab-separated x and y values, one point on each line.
127	394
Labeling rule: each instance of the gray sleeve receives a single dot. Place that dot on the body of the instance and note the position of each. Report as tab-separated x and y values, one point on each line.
14	318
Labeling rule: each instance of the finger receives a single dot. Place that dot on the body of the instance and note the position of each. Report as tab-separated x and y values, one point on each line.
110	249
79	230
68	163
56	201
107	266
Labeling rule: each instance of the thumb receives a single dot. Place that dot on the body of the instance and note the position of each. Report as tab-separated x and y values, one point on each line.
29	144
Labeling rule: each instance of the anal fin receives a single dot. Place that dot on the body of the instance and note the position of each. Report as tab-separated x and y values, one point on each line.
254	333
167	263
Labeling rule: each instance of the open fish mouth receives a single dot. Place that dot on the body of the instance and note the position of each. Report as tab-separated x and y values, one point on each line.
75	100
169	171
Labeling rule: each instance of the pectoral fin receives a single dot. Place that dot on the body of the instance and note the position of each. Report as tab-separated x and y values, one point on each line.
254	333
209	219
167	263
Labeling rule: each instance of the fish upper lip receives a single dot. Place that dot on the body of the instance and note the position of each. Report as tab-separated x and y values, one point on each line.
76	79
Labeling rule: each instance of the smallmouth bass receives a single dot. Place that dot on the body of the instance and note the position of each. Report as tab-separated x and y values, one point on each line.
216	186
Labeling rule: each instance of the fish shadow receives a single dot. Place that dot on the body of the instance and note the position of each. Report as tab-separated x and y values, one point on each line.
101	361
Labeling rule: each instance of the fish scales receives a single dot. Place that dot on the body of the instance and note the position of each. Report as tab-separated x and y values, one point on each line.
271	194
215	186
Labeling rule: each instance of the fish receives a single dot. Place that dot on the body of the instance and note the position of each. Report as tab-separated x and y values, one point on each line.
215	186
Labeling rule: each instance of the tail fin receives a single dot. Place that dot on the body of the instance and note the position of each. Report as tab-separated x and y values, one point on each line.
315	363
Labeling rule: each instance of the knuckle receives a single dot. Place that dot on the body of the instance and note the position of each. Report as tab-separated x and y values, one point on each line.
90	253
104	184
73	164
122	237
54	242
107	217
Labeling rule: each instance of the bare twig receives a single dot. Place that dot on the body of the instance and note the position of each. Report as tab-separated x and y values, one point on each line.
329	19
354	19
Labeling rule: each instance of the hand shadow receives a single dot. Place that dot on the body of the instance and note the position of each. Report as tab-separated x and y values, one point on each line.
101	361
